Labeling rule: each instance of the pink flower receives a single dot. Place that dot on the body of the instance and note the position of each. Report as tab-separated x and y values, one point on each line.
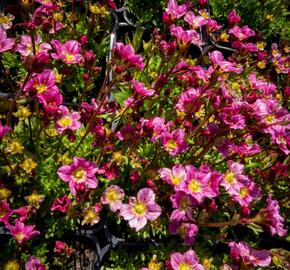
113	196
250	257
140	89
4	130
69	52
265	87
183	205
174	176
242	33
22	233
127	56
197	184
25	47
195	21
50	102
174	142
5	212
61	204
141	209
33	263
187	101
234	180
41	83
159	127
80	174
6	23
185	37
232	117
218	61
173	11
67	121
212	25
271	218
5	43
63	248
188	260
186	231
281	136
233	17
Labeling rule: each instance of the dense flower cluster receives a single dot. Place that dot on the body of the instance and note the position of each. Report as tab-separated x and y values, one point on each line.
183	141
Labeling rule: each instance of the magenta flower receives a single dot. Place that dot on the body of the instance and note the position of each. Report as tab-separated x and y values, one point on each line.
183	205
195	21
266	87
186	231
80	174
34	263
186	261
141	209
250	257
174	142
50	102
232	117
69	52
140	89
197	184
61	204
63	248
113	196
242	33
212	25
185	37
187	101
25	47
22	232
233	17
218	61
4	130
68	121
271	218
41	83
174	176
159	127
127	56
5	212
5	43
173	11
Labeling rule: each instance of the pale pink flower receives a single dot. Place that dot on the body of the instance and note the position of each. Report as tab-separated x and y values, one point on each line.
69	52
25	47
194	21
141	209
188	260
22	232
5	43
250	257
6	22
67	121
80	175
174	176
113	196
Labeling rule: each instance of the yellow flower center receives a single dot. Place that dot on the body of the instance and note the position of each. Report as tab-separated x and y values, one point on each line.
2	213
194	186
12	265
112	196
270	119
175	180
69	57
230	178
183	203
184	266
139	209
40	88
244	192
19	236
4	19
79	175
171	145
65	121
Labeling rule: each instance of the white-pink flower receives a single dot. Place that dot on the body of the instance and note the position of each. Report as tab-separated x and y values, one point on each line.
141	209
113	196
68	121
